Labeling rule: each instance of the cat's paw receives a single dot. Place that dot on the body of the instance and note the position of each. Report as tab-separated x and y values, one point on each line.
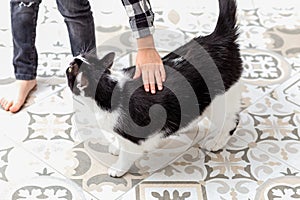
112	149
116	173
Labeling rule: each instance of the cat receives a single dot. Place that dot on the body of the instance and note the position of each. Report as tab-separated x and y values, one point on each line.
202	81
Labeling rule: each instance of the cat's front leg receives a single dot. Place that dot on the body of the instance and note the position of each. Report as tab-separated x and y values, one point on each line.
125	160
114	147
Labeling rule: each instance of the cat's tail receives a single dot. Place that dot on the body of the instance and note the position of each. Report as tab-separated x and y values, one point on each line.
226	23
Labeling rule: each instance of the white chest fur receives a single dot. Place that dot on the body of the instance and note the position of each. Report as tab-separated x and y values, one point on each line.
105	120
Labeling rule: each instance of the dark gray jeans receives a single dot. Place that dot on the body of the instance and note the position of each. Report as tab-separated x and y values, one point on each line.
78	18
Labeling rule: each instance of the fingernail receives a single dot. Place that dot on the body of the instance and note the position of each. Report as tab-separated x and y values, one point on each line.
153	91
160	87
147	90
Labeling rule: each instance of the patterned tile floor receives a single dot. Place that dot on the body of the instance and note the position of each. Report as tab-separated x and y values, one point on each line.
44	156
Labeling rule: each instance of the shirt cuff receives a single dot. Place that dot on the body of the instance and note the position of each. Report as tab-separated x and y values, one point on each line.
143	32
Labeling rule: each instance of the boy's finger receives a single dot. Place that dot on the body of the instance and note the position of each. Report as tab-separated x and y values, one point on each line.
162	73
152	81
158	80
145	78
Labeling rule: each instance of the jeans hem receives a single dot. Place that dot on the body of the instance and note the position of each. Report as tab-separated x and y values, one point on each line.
25	77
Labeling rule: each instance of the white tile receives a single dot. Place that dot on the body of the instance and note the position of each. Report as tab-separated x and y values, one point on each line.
245	4
276	4
271	130
130	195
288	92
23	173
243	188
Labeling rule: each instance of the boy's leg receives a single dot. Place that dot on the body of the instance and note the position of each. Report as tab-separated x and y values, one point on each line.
80	23
23	23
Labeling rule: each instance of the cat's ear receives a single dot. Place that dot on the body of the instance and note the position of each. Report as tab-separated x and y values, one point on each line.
108	60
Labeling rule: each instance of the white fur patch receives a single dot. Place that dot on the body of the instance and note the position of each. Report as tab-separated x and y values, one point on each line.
119	76
222	114
106	120
79	84
177	60
82	59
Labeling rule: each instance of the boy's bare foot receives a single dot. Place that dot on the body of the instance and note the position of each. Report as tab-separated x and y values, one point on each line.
22	89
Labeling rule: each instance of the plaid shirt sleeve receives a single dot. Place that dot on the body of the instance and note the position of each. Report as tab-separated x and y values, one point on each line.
140	16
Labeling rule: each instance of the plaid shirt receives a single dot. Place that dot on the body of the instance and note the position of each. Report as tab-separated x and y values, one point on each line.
140	16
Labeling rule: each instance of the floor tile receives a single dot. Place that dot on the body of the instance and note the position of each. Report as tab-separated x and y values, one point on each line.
277	185
55	149
7	74
278	13
245	5
192	170
288	92
285	42
48	131
263	72
284	184
25	176
131	194
45	129
232	173
170	190
273	128
92	175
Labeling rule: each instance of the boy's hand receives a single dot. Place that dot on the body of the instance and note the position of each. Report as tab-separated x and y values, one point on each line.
149	65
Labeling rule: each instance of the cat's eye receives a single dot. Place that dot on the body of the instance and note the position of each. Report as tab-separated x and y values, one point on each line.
70	69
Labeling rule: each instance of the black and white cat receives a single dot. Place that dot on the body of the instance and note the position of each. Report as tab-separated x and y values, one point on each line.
202	81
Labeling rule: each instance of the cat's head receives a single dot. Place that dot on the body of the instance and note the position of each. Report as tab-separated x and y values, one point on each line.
85	71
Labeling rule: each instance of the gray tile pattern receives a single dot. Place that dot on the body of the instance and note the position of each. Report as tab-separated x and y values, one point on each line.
42	154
